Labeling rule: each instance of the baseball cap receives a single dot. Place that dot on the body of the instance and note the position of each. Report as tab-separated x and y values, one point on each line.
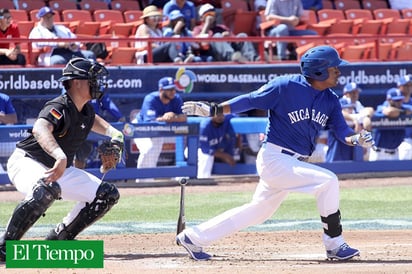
394	94
205	8
346	102
167	83
175	14
43	11
403	80
349	87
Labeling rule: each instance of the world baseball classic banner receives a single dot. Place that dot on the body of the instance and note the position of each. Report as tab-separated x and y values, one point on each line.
136	81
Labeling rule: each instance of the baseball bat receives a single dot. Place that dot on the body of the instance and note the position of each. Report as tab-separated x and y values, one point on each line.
181	221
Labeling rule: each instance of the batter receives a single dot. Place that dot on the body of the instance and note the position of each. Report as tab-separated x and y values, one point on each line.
299	107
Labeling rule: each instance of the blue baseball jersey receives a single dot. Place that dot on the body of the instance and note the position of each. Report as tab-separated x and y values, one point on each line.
6	105
106	104
188	10
153	107
408	130
212	138
297	112
388	138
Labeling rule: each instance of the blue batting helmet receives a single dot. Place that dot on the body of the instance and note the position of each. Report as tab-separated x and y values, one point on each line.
316	61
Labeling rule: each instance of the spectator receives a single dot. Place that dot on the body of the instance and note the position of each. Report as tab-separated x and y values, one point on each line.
163	105
218	9
217	141
405	148
388	140
10	54
259	6
356	116
177	28
101	107
400	4
55	53
312	5
289	13
162	52
187	8
158	3
221	51
8	116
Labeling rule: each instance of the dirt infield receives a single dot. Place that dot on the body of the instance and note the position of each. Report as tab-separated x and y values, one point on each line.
383	251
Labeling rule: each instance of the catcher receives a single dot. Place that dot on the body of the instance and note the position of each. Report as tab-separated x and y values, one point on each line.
40	167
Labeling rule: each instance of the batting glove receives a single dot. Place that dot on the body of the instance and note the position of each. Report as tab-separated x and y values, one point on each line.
201	109
364	139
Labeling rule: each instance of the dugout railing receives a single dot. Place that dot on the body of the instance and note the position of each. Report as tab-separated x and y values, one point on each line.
186	135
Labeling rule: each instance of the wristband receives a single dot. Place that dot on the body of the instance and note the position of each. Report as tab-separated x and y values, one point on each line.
354	139
58	154
115	134
215	109
110	131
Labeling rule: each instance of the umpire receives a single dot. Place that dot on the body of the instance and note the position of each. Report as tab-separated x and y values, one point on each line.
40	167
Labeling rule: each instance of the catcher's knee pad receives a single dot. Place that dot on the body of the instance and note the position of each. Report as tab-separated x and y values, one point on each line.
107	195
29	211
331	224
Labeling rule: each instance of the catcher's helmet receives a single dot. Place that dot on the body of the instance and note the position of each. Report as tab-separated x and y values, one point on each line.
316	61
81	68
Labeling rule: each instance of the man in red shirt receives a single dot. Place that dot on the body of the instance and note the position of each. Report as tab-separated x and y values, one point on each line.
9	52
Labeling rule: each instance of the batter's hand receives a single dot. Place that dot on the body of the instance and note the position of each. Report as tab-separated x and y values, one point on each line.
196	108
364	139
204	109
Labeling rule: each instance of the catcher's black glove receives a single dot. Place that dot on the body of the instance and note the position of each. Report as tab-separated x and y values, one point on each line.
110	153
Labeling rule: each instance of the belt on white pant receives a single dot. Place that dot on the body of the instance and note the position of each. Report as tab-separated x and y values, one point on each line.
388	151
286	151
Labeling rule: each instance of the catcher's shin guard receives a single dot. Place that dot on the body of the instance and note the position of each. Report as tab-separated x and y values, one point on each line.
331	224
107	196
29	211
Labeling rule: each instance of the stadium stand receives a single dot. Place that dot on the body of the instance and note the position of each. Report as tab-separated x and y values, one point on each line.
92	5
347	4
19	15
61	5
125	5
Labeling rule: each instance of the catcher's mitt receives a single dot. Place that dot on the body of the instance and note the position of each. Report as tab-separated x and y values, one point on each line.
110	153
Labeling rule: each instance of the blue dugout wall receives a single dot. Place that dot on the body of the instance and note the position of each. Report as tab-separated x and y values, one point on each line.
30	88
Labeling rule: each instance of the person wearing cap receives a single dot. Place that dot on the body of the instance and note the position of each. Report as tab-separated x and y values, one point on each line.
299	106
163	105
217	143
405	86
356	116
222	51
163	52
10	53
177	28
289	14
187	8
55	53
387	140
41	165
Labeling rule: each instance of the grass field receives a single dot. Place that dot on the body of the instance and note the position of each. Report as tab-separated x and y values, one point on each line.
389	202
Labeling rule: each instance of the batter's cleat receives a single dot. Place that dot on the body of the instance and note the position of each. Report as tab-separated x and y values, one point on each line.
195	252
342	253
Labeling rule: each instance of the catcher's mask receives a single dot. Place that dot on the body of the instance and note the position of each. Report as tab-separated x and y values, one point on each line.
81	68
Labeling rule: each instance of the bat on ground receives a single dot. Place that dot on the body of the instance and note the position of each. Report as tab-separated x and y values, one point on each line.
181	221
